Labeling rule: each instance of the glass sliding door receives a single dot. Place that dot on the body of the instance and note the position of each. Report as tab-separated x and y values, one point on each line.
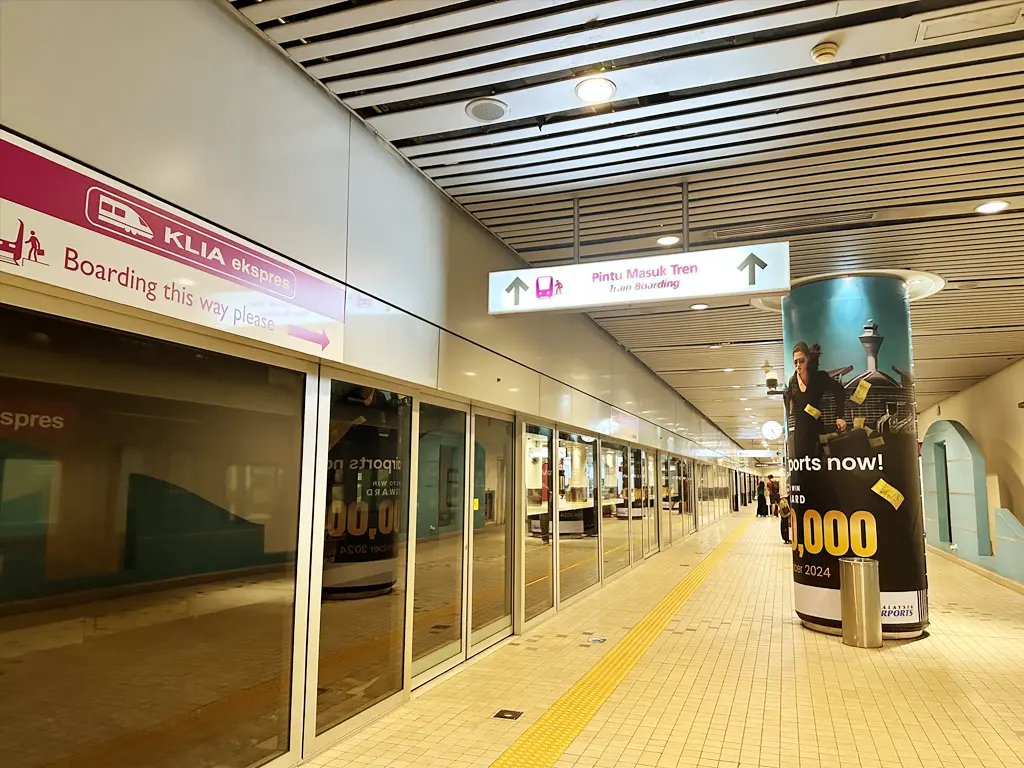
492	529
689	505
540	505
665	495
614	508
438	591
362	599
678	503
578	519
651	503
150	495
637	503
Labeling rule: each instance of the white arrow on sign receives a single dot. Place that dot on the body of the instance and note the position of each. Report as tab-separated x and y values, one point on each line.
750	270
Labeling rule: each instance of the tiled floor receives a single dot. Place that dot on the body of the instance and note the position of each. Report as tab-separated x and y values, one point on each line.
734	680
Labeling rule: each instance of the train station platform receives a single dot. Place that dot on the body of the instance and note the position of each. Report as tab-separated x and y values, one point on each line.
697	660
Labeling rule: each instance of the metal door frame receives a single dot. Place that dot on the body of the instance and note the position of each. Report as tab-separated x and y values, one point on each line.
500	634
559	601
426	675
520	622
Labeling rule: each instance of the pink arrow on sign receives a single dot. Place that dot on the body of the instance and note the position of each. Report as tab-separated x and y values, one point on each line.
317	337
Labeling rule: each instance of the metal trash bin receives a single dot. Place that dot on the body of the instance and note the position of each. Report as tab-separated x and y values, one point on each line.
861	600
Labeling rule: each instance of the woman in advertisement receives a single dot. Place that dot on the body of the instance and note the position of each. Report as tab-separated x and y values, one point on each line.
803	398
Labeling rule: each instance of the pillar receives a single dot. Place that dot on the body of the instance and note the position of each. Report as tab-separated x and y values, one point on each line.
852	450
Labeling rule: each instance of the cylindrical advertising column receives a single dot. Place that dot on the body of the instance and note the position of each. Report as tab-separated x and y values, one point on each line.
852	447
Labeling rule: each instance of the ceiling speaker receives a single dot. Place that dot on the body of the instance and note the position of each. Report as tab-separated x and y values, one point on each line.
486	110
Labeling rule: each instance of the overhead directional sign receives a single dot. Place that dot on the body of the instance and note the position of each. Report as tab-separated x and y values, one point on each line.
66	225
750	270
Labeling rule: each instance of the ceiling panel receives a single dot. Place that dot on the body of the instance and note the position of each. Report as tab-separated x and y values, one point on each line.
722	130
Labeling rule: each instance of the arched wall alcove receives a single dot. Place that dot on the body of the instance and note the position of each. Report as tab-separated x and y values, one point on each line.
955	495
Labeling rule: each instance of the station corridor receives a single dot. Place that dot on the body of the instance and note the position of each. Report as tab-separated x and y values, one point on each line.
717	672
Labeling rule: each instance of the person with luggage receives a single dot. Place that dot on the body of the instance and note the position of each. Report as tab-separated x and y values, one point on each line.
774	495
785	513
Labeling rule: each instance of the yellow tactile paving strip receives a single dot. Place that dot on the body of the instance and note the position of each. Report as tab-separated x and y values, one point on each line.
547	739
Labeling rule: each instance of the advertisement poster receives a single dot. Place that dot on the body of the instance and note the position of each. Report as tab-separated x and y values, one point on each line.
852	446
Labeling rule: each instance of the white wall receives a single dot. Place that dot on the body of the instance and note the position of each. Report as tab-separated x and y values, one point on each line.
989	412
181	99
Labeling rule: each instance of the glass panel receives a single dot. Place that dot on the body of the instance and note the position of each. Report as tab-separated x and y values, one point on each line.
651	505
689	507
577	514
149	508
362	614
676	503
704	495
440	534
615	512
636	503
540	505
666	495
493	497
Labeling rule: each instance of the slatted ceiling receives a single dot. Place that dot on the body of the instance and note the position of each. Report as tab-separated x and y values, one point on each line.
406	69
875	161
665	147
975	367
353	17
271	10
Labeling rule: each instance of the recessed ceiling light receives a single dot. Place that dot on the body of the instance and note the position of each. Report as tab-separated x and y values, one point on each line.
594	90
736	386
748	409
715	346
668	240
698	306
993	206
728	370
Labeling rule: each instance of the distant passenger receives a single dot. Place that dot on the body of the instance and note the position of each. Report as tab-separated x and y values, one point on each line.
774	494
785	513
762	502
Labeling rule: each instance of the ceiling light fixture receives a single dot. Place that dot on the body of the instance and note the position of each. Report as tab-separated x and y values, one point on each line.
698	306
668	240
714	346
728	370
993	206
595	90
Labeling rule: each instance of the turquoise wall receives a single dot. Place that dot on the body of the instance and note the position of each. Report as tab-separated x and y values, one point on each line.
968	521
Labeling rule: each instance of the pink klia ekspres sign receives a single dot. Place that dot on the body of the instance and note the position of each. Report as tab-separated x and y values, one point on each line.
68	226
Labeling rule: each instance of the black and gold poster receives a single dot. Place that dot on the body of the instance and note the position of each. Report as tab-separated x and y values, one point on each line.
852	446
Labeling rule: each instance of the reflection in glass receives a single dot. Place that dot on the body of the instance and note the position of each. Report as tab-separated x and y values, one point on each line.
637	502
577	514
665	496
689	508
440	501
539	513
651	505
149	507
615	513
675	507
362	618
493	496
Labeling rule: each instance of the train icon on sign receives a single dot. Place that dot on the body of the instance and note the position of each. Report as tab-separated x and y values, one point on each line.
118	214
548	287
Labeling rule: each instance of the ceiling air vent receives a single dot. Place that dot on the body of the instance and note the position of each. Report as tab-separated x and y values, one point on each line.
486	110
997	17
787	225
